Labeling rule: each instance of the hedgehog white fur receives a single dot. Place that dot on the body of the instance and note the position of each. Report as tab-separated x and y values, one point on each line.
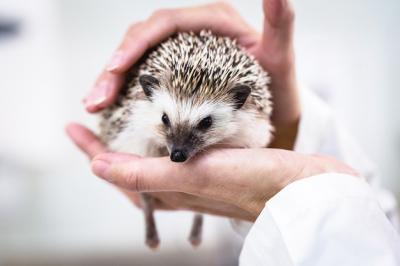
190	92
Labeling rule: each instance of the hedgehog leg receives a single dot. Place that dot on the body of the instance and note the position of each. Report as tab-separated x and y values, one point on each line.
152	239
197	228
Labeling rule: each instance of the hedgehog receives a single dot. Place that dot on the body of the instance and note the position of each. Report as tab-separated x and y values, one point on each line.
191	92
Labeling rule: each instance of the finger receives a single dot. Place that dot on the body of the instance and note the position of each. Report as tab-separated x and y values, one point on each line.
144	35
88	142
106	88
276	50
159	202
85	139
205	175
277	56
190	202
104	92
278	25
164	23
135	173
221	175
169	200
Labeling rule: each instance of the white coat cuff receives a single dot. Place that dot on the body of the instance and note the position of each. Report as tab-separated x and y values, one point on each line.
311	219
309	193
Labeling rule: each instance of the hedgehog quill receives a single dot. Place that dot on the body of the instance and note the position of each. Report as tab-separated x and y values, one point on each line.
191	92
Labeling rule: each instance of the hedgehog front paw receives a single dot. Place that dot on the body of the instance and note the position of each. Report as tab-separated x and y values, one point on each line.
153	242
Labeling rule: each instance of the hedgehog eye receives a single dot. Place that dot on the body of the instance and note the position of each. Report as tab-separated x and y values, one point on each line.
205	123
165	120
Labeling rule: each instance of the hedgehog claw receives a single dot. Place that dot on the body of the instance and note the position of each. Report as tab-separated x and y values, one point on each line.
153	243
195	241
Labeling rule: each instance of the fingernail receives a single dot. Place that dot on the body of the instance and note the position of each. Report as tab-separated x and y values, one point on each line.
115	61
98	96
102	169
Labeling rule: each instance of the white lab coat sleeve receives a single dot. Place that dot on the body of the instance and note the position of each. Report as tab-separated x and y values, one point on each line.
328	219
321	133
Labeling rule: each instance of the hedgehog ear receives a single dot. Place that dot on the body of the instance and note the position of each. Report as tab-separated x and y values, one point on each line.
240	94
148	83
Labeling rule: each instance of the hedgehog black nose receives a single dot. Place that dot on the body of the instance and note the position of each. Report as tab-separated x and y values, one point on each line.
178	156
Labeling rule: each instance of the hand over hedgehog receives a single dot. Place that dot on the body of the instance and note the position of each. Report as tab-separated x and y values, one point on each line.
179	101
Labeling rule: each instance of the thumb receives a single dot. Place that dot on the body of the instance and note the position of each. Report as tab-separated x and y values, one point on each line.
277	56
278	25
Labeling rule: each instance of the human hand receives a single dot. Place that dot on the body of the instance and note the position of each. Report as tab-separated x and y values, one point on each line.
273	49
89	143
230	182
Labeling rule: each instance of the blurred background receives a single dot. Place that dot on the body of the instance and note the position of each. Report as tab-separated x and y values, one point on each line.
53	211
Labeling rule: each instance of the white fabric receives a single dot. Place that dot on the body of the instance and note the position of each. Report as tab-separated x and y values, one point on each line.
329	219
320	133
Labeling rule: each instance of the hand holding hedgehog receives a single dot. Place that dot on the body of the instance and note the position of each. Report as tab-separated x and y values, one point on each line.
273	49
274	52
234	183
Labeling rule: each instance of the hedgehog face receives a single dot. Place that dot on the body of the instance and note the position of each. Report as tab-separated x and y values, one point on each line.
187	125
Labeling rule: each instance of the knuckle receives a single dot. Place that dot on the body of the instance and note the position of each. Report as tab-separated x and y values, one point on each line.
134	27
223	6
291	15
133	177
162	14
224	11
163	17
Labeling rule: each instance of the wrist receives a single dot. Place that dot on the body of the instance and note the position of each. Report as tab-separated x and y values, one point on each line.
275	169
282	168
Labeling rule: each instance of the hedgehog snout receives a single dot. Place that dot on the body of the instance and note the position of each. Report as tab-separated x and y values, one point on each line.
178	155
181	145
